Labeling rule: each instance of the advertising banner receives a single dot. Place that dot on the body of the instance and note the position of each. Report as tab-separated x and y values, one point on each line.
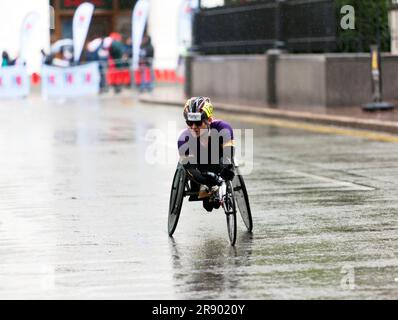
185	25
29	44
81	24
187	9
70	82
140	17
14	82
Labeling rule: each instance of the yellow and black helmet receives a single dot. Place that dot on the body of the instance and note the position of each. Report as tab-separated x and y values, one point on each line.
198	109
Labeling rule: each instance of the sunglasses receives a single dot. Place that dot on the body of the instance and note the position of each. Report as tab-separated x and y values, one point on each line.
191	123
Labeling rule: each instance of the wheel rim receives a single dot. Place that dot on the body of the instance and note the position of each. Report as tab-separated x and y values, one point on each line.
176	199
230	211
231	222
242	201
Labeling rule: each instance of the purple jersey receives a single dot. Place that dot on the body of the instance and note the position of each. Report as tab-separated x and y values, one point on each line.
210	149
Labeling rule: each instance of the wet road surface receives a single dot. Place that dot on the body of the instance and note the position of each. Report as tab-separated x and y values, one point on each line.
83	213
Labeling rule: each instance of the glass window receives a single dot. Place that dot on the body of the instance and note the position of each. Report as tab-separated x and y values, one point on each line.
220	3
212	3
127	4
99	4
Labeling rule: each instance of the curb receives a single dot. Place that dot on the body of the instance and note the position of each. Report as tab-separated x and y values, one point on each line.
342	121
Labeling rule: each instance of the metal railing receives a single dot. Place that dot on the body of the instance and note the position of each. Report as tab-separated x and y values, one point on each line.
301	25
295	25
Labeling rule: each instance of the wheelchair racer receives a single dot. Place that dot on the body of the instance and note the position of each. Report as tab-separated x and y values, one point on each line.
206	149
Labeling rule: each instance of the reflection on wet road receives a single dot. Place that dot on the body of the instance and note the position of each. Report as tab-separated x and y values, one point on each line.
83	212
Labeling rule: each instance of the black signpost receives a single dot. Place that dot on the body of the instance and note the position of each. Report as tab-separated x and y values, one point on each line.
377	80
377	83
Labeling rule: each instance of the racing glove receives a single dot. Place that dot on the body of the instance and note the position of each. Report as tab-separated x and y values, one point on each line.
227	172
207	178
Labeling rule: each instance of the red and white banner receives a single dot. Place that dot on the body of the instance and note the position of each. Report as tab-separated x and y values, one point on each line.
30	33
81	24
70	82
187	8
140	17
14	82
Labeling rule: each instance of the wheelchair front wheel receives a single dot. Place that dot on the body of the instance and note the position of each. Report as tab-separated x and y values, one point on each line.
176	199
230	212
242	199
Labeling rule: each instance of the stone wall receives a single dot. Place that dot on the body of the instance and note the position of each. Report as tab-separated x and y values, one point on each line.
291	79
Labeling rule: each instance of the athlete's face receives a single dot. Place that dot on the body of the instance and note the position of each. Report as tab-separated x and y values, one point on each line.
197	128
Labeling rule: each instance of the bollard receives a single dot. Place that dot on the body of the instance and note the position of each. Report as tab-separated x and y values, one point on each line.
272	59
377	83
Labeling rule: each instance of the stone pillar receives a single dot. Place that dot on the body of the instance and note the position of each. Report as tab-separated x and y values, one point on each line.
188	75
272	57
393	20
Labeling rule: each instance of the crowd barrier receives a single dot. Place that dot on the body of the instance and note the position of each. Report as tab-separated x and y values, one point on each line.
75	81
14	82
86	79
125	76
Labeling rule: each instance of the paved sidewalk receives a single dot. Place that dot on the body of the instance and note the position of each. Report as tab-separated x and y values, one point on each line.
352	117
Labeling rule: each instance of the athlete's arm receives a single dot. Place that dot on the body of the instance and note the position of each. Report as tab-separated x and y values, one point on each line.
228	152
188	161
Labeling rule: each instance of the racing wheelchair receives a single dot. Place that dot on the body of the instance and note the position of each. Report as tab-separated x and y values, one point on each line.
232	195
